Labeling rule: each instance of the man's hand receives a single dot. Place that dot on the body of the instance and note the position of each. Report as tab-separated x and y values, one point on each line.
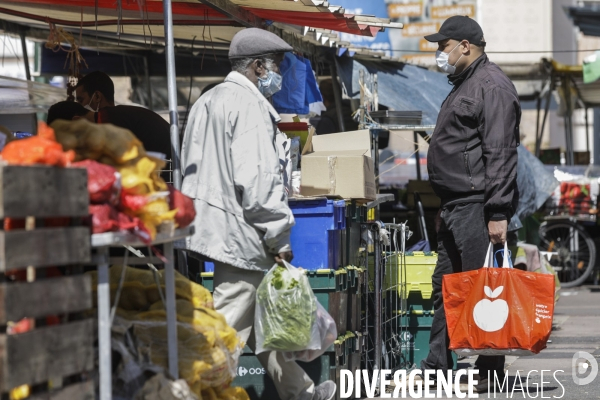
438	221
285	256
497	231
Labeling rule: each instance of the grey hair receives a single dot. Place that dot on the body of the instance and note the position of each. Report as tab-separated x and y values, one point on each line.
241	64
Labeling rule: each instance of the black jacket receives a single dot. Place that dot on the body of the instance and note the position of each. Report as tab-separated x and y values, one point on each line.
149	127
472	156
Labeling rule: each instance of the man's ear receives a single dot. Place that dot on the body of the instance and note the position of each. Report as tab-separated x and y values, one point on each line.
467	48
259	67
99	97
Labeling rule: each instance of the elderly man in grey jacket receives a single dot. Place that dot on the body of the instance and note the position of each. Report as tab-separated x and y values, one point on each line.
232	171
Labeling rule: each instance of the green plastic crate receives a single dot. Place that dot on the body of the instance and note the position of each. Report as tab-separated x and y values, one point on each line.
251	375
329	286
416	323
320	280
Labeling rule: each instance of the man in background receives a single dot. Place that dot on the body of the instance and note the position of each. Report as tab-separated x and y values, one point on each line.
96	93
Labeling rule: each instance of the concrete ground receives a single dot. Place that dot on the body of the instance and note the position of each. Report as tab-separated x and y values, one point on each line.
577	328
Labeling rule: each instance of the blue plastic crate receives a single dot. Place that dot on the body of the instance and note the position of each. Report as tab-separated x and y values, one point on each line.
209	266
317	236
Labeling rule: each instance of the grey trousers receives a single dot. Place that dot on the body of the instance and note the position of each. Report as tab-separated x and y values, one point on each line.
463	240
235	297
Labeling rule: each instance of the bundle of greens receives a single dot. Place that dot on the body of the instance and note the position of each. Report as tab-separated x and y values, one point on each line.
285	311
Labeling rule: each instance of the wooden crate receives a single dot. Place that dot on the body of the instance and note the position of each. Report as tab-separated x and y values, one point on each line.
46	297
43	191
58	349
46	353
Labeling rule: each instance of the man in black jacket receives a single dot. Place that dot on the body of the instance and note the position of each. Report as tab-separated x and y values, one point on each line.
472	164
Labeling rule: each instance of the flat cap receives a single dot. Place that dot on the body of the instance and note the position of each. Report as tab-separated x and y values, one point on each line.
255	42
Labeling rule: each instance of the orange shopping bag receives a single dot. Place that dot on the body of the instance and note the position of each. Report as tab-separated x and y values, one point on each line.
498	311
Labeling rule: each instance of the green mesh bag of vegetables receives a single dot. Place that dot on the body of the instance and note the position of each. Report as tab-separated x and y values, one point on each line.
285	314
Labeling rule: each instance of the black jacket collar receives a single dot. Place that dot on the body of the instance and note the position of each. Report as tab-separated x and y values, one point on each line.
457	80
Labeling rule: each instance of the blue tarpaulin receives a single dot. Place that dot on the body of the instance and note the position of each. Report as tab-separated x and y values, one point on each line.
401	87
299	87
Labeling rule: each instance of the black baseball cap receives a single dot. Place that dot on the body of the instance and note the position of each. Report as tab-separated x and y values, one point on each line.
459	28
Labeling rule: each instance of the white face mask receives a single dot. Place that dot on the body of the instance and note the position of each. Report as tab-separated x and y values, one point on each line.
270	84
441	59
89	107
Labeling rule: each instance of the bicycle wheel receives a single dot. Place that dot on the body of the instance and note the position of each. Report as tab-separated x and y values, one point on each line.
575	251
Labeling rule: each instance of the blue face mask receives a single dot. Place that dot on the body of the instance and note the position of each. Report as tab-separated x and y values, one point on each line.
270	84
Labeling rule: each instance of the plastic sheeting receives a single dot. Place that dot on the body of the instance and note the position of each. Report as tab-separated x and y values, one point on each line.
401	87
18	96
535	185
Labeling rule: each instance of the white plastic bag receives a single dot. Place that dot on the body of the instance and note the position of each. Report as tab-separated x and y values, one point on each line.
324	326
286	311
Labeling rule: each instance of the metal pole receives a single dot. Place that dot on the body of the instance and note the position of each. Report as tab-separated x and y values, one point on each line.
148	84
538	143
171	310
375	93
417	155
375	155
378	305
587	132
537	120
337	94
568	120
104	341
25	55
172	92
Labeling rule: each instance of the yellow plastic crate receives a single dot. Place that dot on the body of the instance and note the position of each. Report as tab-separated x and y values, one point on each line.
419	269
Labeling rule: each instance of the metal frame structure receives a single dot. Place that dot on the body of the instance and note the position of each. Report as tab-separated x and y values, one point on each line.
102	243
384	303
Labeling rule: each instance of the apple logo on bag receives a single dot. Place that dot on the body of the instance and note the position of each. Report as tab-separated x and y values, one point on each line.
490	316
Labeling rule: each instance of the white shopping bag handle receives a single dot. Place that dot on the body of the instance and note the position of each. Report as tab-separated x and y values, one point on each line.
489	257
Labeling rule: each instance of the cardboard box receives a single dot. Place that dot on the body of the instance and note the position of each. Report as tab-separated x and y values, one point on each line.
339	165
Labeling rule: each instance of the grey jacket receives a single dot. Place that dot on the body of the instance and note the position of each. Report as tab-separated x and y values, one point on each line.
232	172
472	156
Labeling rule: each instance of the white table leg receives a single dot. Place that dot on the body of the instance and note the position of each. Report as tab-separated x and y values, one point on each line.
171	310
104	342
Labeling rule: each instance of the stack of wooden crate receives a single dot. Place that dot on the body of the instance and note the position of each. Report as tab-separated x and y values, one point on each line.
46	336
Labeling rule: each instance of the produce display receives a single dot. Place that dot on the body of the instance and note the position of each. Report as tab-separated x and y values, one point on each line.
285	311
126	190
208	348
126	193
40	149
575	198
576	195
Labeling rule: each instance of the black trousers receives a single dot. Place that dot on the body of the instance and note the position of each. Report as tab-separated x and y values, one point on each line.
462	245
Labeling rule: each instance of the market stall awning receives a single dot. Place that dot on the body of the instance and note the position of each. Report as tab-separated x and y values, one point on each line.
205	19
586	18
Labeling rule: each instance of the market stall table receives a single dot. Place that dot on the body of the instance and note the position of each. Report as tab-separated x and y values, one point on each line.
103	242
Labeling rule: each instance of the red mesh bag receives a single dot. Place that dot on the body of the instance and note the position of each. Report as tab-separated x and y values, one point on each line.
184	205
102	182
104	218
